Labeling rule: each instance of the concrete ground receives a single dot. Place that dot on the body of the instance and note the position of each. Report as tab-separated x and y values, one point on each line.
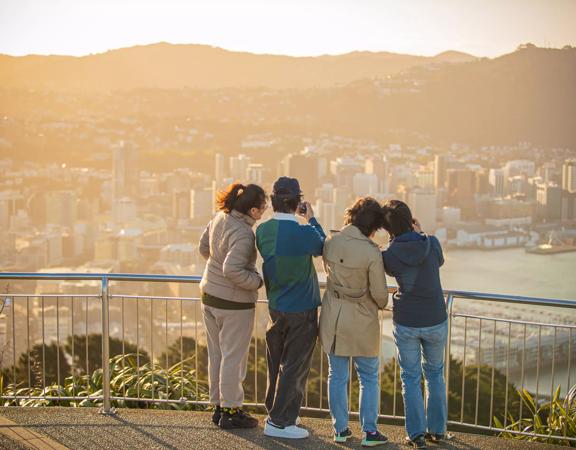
85	428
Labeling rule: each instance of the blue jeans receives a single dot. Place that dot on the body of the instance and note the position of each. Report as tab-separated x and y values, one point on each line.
338	373
430	343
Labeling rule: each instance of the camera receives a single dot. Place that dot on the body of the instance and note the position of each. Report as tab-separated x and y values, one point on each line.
302	208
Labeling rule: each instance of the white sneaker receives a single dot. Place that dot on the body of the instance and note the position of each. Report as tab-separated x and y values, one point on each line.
290	432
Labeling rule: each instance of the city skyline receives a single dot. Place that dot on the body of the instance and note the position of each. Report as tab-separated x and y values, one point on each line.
413	27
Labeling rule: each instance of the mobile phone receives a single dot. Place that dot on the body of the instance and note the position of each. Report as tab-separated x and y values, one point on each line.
302	208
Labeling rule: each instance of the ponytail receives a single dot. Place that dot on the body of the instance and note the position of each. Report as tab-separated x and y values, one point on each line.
240	198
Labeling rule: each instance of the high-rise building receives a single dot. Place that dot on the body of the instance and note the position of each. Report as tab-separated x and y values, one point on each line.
8	207
341	199
423	205
482	183
125	170
549	200
124	210
569	175
519	167
61	208
461	190
201	204
304	167
364	184
327	215
440	167
425	178
497	182
344	169
378	165
238	166
325	193
220	172
181	205
568	206
255	174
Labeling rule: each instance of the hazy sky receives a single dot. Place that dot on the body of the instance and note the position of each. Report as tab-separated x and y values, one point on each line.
293	27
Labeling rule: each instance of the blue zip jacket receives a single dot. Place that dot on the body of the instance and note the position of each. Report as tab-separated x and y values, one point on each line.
414	259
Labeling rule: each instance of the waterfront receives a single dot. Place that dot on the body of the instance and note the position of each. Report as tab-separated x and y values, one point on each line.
511	271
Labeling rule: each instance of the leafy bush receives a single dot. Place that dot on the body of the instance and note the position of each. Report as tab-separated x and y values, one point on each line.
126	380
555	419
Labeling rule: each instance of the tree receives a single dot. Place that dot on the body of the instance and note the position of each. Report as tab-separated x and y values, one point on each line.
45	363
94	343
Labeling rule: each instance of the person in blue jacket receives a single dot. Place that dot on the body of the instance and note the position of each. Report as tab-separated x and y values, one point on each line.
420	322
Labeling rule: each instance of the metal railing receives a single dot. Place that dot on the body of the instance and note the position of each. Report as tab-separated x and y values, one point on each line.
482	349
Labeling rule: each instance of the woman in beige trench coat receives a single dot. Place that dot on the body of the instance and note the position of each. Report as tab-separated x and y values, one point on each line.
349	326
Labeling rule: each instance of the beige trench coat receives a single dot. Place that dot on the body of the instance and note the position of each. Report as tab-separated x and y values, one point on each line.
356	289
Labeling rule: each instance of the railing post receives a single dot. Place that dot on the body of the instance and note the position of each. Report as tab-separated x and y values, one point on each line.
449	304
106	407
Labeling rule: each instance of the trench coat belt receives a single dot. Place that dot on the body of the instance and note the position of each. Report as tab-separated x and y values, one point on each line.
345	293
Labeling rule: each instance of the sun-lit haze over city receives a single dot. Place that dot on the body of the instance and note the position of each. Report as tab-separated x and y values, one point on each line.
298	28
122	122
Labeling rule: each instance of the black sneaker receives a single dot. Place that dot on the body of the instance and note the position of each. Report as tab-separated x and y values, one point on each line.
343	435
436	437
236	418
417	442
374	439
216	414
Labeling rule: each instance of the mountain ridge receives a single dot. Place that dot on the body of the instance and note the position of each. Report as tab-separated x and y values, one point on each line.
202	66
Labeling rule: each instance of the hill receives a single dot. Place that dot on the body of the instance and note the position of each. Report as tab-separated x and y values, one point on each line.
170	66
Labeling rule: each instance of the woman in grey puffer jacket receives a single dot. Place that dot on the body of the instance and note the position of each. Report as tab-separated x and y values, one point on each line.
229	289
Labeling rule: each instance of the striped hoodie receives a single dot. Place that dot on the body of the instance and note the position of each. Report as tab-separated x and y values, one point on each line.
287	249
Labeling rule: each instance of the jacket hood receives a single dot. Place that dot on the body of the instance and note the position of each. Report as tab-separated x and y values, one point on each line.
411	248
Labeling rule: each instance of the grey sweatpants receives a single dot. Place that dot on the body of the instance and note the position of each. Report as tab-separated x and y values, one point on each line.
229	333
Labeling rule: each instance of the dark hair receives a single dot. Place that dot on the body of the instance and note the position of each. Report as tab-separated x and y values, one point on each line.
285	203
240	198
366	215
397	217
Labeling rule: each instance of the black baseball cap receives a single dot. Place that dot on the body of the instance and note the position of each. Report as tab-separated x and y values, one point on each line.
286	186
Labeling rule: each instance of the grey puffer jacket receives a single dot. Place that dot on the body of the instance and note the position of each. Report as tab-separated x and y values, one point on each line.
228	246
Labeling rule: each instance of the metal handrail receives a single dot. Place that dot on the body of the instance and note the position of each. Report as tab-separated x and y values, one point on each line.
105	296
468	295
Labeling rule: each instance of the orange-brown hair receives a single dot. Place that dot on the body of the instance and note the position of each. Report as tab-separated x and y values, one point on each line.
240	198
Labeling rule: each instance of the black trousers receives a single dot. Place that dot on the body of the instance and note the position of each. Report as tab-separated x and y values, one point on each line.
290	341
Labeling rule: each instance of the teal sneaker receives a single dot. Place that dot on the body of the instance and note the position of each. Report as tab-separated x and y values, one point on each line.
343	435
373	439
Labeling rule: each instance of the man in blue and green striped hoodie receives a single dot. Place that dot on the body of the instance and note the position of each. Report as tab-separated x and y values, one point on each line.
293	294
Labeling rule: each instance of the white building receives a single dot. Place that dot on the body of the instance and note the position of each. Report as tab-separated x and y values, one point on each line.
569	175
423	206
201	203
451	216
255	174
181	254
220	172
364	184
519	167
497	182
124	210
238	167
